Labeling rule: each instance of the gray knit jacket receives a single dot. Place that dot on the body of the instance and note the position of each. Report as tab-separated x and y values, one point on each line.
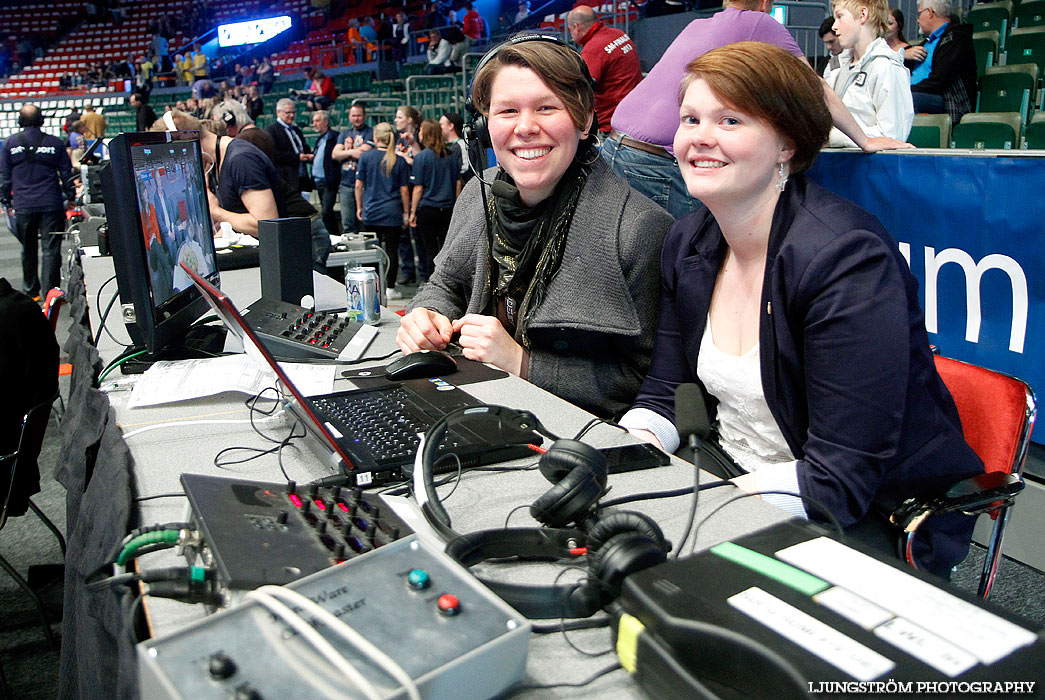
592	335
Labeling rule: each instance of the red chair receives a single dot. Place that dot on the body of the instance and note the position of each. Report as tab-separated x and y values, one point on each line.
997	413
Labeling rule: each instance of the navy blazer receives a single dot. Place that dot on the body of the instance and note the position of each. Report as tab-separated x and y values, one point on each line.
845	361
331	167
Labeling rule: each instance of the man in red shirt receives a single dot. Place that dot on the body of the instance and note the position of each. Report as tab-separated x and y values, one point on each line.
611	57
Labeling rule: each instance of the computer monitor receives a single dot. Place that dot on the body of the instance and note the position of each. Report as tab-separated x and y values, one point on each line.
156	206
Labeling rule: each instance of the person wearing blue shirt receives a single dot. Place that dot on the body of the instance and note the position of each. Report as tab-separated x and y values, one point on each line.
382	197
943	70
436	181
351	145
326	174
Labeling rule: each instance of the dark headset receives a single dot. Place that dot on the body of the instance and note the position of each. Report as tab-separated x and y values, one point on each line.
618	545
475	126
36	120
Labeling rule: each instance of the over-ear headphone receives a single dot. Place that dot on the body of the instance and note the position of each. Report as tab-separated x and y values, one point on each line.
617	545
36	120
475	126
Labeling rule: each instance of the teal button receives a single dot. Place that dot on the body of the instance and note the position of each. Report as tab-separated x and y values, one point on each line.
418	578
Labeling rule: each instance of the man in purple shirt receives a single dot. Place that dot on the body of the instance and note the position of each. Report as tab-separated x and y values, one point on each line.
639	148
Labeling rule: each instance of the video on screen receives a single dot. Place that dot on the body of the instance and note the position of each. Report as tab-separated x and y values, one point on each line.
172	203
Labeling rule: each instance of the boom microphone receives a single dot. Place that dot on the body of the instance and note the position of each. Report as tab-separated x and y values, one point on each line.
691	417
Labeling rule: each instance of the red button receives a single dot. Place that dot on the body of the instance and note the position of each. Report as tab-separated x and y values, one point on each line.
448	604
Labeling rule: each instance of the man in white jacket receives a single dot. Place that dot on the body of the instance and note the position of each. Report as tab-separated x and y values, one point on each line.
438	53
869	76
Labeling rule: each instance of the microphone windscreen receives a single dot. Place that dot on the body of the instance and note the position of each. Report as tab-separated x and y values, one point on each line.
691	413
502	189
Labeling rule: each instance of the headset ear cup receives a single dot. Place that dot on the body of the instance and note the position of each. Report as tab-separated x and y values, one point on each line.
622	521
619	557
578	472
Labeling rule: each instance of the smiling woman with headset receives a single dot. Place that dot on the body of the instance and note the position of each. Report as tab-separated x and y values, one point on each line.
553	278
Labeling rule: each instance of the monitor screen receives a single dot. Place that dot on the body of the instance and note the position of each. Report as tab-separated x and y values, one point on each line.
175	221
157	215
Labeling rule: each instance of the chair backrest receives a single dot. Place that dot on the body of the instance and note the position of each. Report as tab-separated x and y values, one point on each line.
1030	14
931	131
1000	130
1034	134
985	44
1008	89
1026	46
52	303
997	412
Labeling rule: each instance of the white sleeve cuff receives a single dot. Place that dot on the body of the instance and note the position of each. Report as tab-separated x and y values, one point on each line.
645	419
781	477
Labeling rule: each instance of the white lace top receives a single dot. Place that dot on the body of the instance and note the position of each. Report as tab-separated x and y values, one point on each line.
747	430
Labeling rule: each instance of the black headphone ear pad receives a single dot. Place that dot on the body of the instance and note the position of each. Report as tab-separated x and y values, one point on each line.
619	557
570	500
564	456
622	521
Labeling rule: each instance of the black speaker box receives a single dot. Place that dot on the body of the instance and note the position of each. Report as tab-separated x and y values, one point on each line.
285	255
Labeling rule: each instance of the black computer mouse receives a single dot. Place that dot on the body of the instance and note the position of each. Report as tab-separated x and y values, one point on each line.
421	365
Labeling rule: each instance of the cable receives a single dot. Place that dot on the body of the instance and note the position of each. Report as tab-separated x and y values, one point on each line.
512	512
279	450
580	684
692	512
820	506
173	424
117	362
654	495
130	550
587	624
592	423
457	477
562	620
140	499
361	360
325	648
349	634
101	316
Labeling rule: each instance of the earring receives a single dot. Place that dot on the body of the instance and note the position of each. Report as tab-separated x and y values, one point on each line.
781	182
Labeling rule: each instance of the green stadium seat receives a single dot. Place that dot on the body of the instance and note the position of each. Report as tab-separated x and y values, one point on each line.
991	16
982	130
1026	46
1030	14
1008	89
931	131
1034	134
986	46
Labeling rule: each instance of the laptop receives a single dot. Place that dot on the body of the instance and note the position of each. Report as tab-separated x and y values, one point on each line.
370	435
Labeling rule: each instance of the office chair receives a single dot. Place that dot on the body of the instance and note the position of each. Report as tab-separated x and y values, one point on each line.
997	413
30	439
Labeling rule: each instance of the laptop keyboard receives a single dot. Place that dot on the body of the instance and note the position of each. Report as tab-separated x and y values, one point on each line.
383	423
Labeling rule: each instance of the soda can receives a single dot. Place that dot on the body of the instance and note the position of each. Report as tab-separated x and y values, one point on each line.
361	295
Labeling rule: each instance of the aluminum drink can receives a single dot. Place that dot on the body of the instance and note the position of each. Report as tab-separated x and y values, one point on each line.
361	295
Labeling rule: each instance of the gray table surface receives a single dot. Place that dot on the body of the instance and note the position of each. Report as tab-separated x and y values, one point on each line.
482	500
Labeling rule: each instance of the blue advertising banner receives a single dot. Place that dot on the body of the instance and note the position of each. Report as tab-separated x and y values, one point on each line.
973	231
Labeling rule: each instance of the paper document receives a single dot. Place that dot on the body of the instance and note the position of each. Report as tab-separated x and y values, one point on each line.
168	382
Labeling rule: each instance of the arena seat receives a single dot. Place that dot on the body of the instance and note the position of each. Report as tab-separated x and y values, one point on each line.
1026	46
991	16
1008	89
1001	130
986	46
1034	134
1030	14
931	131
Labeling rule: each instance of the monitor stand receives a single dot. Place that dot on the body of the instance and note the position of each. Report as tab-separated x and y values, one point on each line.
200	342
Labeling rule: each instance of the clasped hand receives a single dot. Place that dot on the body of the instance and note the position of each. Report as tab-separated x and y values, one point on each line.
482	338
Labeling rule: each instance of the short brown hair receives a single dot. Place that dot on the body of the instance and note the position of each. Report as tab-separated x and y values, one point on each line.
559	66
877	13
770	84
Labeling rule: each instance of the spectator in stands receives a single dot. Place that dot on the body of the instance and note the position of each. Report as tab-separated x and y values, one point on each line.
382	197
830	39
368	31
248	188
433	17
183	63
399	42
35	182
352	143
943	70
94	124
523	12
292	151
354	40
326	171
143	80
438	53
143	113
558	284
644	123
871	78
777	277
77	142
161	50
204	88
253	102
321	91
894	31
612	61
450	124
473	27
436	183
408	146
265	75
199	62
